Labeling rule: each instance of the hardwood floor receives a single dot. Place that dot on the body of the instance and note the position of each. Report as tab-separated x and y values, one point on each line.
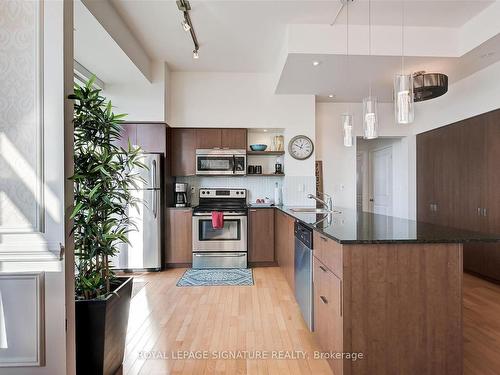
481	327
165	319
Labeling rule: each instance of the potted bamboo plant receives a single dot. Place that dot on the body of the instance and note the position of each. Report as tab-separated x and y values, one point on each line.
102	196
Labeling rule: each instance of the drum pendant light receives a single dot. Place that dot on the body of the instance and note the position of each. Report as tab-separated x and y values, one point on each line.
370	103
403	84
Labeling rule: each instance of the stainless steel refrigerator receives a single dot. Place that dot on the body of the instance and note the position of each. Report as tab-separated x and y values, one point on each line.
144	250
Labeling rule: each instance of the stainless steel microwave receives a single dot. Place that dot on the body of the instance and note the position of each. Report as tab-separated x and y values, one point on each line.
221	162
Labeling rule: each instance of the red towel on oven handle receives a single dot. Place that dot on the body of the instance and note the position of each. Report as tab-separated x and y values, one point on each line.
217	220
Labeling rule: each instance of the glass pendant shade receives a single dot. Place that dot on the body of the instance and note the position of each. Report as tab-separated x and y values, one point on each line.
403	98
370	117
347	129
346	120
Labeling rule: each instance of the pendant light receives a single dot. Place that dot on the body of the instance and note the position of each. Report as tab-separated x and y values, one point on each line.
346	118
370	103
403	84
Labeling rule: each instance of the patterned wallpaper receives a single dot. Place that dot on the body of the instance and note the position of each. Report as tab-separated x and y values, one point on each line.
19	115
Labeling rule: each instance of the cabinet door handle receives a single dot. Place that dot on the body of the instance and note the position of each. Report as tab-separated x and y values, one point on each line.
323	238
485	212
324	300
322	268
253	210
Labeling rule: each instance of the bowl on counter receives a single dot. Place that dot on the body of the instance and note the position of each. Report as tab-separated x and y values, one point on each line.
258	147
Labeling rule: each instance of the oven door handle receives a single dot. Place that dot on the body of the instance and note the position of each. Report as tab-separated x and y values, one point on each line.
220	255
234	164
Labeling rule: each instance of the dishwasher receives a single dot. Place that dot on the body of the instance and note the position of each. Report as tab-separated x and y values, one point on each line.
303	272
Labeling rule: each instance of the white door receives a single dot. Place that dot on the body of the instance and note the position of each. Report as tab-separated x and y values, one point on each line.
381	181
36	282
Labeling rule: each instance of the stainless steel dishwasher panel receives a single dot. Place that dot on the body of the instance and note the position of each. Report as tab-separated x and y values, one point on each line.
303	273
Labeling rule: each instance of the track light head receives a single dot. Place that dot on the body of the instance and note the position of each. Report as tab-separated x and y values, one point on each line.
185	25
196	55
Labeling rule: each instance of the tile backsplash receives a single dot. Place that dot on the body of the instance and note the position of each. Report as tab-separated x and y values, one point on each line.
294	188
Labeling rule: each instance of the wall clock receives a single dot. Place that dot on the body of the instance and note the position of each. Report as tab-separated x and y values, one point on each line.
300	147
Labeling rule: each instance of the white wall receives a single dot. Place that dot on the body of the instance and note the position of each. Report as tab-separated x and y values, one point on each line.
339	162
247	100
468	97
141	100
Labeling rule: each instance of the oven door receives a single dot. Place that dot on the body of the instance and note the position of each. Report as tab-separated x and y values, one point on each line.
215	164
231	238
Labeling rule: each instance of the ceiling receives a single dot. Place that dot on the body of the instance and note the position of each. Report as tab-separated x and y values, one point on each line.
98	52
246	36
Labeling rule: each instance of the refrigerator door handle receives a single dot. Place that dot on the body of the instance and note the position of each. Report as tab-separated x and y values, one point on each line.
153	174
154	202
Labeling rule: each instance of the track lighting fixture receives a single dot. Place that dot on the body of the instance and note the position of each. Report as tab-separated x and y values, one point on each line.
187	24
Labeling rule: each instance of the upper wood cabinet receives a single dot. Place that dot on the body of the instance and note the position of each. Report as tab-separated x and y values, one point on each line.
150	137
208	138
234	138
261	235
221	138
183	155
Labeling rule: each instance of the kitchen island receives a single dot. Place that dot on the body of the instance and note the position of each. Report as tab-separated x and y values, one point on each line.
387	291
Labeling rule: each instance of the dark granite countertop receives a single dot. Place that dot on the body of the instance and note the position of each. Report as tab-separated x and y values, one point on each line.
353	227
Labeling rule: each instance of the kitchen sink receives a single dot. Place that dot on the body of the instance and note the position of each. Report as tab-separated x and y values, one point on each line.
313	210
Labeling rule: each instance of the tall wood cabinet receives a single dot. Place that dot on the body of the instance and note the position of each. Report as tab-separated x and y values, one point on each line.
179	239
457	184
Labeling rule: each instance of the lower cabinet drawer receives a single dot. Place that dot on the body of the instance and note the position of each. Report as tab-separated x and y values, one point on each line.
328	252
328	321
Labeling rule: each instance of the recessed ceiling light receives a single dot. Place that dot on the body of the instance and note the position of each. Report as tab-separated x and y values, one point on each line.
316	63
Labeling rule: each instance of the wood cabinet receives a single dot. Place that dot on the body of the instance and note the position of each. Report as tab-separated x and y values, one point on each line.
179	236
150	137
377	307
457	184
183	155
208	138
261	235
185	141
328	321
234	138
285	245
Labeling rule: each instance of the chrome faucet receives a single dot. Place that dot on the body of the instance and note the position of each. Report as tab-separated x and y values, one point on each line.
328	203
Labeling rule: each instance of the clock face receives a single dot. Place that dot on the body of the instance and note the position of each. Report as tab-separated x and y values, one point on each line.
300	147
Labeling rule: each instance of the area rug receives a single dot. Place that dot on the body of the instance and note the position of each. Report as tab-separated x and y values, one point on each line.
213	277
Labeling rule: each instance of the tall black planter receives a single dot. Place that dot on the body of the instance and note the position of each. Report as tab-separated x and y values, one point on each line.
101	330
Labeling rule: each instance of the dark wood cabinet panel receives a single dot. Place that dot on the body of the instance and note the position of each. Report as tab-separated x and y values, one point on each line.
152	137
179	236
234	138
208	138
261	235
183	158
328	321
457	184
285	246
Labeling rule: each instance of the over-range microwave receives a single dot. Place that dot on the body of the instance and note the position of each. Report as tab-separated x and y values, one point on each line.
220	162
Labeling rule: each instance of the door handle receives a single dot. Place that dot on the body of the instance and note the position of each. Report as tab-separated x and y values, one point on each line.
479	211
61	251
485	212
154	203
324	300
323	269
323	238
220	255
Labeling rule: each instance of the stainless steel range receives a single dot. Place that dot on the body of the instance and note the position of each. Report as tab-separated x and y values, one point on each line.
225	247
